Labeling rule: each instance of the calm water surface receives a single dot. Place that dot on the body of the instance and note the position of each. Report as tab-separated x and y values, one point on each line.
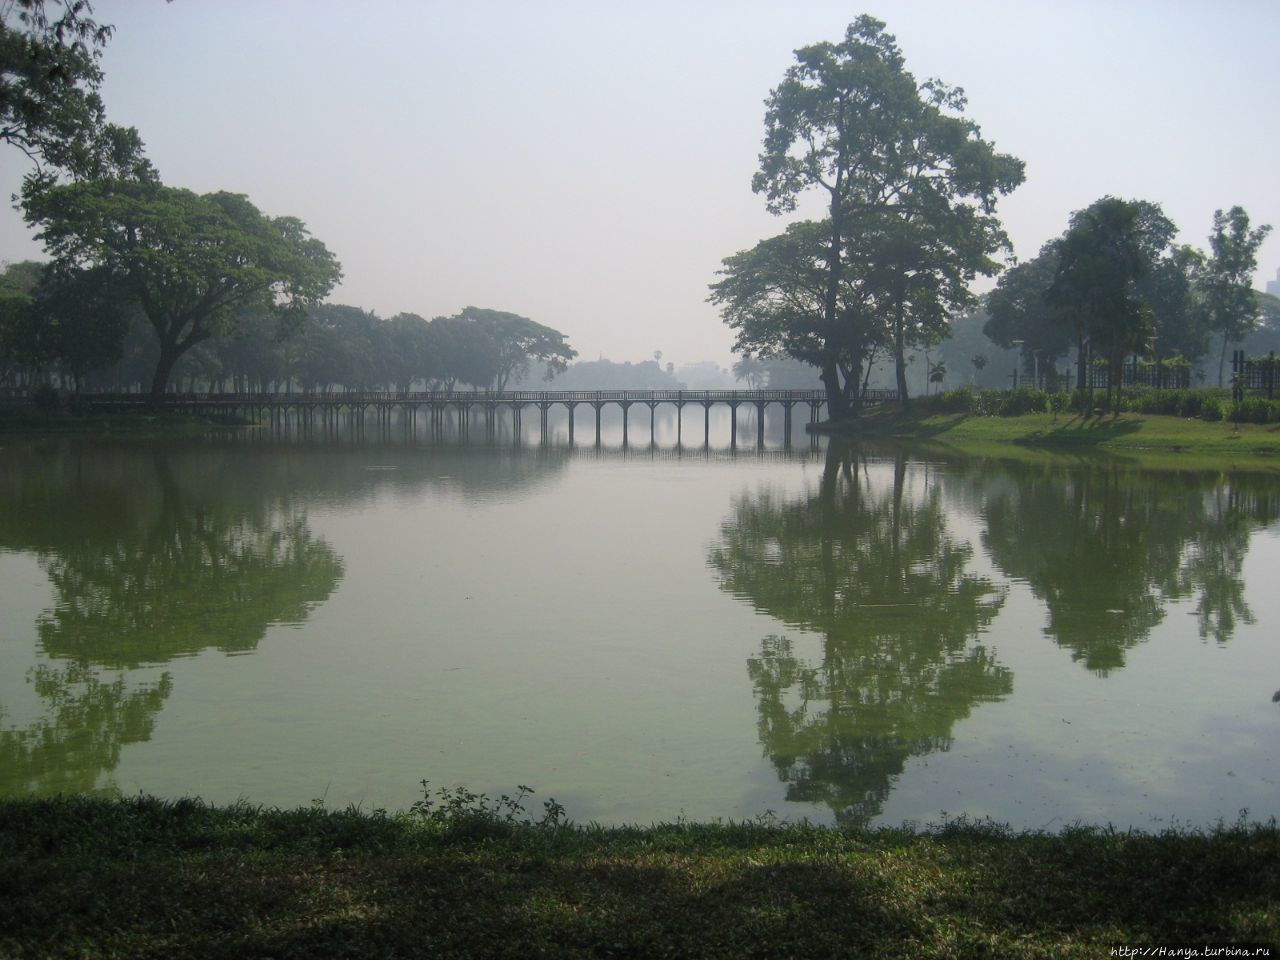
641	633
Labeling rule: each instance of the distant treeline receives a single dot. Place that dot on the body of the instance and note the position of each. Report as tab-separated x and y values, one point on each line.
97	344
326	347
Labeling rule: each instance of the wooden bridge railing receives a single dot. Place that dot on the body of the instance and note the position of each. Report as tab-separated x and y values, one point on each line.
370	397
479	396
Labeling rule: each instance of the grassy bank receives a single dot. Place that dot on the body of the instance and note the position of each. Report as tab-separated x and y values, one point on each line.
146	878
1219	444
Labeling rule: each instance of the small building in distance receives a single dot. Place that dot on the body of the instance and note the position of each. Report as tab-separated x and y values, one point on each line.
1273	286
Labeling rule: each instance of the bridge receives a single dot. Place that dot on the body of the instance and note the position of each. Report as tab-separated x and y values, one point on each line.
439	406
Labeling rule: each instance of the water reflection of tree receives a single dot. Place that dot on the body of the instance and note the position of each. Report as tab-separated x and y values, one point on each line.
877	574
1213	559
88	721
1105	547
148	561
183	587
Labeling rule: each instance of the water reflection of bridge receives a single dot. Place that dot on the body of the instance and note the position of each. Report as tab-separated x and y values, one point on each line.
440	407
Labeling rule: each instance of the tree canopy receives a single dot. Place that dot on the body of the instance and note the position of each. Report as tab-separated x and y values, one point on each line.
1229	297
74	320
49	78
1116	283
1110	246
516	342
193	262
50	108
774	297
910	189
1018	313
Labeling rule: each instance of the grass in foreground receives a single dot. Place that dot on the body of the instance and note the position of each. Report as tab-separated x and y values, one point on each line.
149	878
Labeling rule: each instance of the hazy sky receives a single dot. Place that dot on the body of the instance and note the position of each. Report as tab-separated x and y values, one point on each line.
589	164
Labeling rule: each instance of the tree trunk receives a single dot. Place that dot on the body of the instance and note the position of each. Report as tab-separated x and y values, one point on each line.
899	354
164	367
837	407
1222	358
1115	378
853	390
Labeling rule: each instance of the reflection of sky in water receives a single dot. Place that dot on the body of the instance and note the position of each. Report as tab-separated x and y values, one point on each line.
549	617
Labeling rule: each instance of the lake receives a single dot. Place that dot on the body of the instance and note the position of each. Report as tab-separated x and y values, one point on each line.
643	632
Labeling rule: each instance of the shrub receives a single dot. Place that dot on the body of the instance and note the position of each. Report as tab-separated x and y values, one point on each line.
1192	403
1253	410
961	400
1081	401
1021	400
465	813
1169	403
1211	409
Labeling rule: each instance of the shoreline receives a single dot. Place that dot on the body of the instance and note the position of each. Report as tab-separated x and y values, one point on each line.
1189	443
1148	440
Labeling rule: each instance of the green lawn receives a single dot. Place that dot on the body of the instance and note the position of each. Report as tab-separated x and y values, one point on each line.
1188	442
145	878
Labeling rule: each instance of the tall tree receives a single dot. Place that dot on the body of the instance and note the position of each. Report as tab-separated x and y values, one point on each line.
18	282
82	319
409	337
193	262
517	342
774	296
904	175
1180	320
1019	314
339	344
464	353
1108	248
69	321
1228	278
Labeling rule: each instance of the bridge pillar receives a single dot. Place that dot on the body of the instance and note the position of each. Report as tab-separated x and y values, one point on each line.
490	421
706	423
598	404
569	405
626	413
544	409
760	405
733	424
653	437
814	407
679	423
